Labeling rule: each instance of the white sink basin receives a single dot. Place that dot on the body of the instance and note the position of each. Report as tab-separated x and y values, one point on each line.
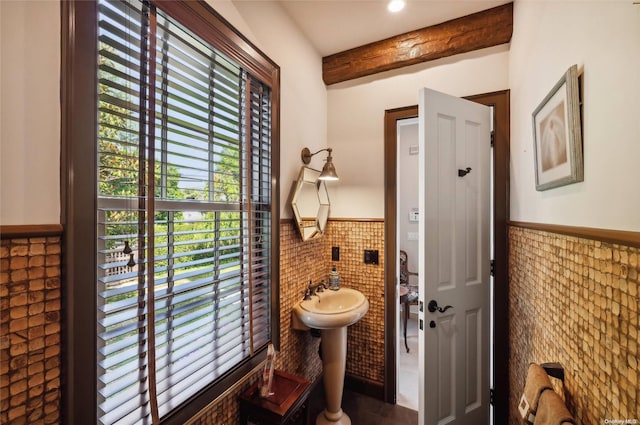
330	309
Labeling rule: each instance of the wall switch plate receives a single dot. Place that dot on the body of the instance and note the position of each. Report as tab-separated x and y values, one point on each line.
371	256
335	253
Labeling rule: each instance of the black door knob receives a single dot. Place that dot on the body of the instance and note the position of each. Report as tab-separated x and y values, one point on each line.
433	307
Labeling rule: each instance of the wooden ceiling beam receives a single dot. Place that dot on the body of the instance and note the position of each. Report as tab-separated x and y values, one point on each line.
488	28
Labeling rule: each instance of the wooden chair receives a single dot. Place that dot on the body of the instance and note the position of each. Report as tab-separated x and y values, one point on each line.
408	292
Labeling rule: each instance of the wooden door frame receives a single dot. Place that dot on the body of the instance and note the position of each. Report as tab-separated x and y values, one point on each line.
500	101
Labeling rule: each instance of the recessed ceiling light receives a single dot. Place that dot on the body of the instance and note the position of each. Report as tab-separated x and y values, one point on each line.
395	6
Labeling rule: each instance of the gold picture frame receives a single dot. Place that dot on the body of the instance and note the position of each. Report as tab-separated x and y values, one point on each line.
557	135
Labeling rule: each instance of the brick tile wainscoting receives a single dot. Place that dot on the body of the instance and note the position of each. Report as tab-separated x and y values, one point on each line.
30	301
365	340
575	301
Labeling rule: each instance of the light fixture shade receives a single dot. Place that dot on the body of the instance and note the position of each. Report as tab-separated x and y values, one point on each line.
328	171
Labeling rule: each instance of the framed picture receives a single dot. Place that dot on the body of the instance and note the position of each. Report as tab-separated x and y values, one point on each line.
557	135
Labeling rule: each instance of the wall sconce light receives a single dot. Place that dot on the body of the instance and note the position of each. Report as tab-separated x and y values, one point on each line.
328	171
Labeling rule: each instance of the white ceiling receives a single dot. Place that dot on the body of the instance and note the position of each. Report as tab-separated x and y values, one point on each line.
333	26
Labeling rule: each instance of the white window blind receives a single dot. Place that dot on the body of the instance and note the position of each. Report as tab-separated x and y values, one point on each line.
183	212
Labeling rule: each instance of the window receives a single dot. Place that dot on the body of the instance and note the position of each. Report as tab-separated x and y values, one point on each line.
185	224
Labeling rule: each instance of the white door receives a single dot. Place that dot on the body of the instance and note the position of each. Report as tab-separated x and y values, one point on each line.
454	263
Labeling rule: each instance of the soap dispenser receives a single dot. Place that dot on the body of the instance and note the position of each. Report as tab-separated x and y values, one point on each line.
334	279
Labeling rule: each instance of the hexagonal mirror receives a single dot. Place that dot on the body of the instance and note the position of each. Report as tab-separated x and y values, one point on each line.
310	203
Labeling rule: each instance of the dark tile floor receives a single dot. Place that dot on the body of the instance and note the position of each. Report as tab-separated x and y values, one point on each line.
364	410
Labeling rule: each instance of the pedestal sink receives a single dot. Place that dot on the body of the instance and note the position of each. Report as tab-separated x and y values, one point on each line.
331	312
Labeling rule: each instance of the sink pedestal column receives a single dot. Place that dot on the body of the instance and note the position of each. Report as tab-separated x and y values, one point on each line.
334	359
331	312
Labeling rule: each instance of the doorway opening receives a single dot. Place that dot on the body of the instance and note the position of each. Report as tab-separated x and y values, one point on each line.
500	103
407	238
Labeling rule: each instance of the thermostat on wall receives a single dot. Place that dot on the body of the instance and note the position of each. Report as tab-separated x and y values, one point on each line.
414	215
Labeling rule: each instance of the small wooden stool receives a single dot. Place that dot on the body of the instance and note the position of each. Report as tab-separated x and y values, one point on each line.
286	406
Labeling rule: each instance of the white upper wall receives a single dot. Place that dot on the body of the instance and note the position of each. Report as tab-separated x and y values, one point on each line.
356	119
29	112
603	39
